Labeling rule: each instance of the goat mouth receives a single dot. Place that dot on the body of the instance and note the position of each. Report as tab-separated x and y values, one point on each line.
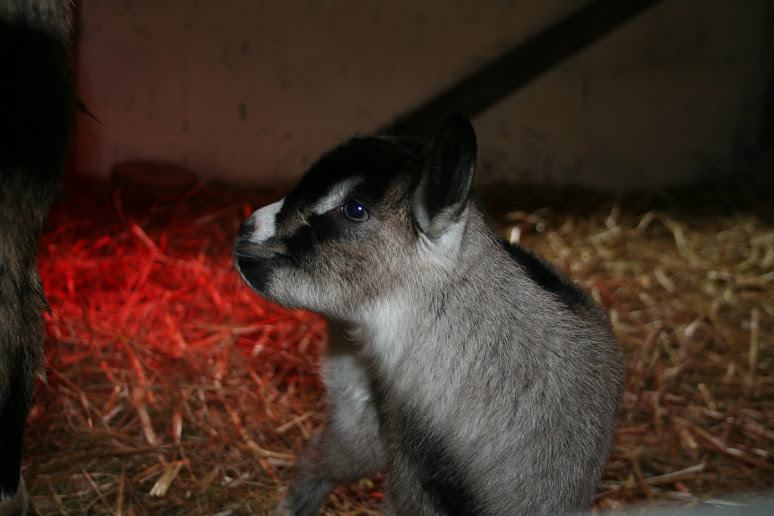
256	271
249	261
256	263
249	253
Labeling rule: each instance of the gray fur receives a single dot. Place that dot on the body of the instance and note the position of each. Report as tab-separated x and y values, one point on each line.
52	17
349	446
37	105
480	389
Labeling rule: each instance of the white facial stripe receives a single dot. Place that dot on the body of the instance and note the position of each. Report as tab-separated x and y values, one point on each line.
265	221
336	195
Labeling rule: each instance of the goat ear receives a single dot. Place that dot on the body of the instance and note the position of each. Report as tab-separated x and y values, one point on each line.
444	189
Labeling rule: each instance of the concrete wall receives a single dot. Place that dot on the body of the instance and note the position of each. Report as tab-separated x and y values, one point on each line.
252	91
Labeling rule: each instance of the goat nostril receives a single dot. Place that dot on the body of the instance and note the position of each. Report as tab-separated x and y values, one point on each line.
246	228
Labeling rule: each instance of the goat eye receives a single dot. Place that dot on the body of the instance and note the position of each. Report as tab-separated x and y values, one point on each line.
354	211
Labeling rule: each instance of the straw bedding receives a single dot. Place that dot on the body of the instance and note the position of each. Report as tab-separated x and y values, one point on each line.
173	389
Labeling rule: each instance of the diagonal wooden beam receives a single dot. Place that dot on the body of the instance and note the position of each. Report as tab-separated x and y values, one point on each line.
517	67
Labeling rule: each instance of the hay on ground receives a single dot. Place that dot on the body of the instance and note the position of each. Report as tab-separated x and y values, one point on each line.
173	389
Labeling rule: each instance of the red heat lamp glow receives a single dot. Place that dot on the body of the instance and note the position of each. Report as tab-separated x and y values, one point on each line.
148	282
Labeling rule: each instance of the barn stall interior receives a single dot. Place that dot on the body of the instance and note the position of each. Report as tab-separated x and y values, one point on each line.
636	158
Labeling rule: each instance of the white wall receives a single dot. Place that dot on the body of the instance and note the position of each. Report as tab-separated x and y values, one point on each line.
252	91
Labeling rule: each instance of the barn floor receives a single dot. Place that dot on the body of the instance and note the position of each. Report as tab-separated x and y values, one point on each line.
173	389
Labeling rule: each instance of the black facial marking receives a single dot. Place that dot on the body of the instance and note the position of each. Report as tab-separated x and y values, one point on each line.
386	169
380	161
548	277
303	241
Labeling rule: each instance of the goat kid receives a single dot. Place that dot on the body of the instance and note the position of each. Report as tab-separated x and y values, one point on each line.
480	378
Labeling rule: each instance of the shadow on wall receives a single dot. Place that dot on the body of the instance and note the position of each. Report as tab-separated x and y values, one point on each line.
253	92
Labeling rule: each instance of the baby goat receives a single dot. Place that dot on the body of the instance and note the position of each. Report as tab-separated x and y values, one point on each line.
478	377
